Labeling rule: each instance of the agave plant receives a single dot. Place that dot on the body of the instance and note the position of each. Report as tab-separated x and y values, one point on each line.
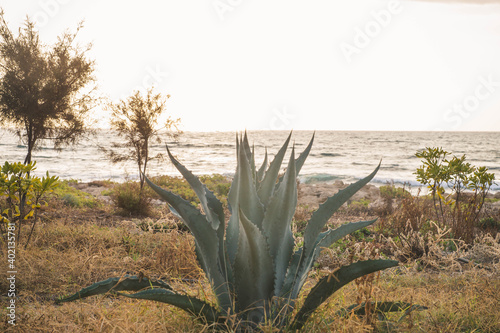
253	265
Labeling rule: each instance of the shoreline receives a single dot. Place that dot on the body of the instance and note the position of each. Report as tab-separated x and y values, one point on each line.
311	195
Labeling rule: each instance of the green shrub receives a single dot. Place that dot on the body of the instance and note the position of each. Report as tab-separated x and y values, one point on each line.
23	195
127	198
469	186
71	200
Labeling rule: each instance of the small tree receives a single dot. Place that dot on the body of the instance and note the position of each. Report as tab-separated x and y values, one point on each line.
136	120
45	92
468	184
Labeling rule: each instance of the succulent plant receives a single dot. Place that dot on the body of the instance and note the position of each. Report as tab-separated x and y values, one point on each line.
254	269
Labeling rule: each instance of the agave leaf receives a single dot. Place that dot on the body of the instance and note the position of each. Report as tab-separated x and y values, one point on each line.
271	175
297	274
242	196
249	153
327	238
283	303
126	282
325	211
232	234
277	220
253	266
262	169
243	193
299	162
331	283
192	305
211	205
232	201
206	240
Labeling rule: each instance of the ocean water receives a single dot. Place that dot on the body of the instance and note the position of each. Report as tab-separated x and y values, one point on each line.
336	155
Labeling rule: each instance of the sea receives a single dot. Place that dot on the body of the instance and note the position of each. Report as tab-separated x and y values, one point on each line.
335	155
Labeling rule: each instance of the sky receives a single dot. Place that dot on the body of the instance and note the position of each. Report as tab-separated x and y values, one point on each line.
231	65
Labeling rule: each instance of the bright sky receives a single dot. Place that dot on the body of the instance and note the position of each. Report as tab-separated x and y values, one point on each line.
316	65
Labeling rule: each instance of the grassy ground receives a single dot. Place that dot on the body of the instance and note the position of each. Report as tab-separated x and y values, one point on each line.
76	245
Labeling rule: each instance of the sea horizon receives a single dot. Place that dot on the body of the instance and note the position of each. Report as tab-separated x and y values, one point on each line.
336	155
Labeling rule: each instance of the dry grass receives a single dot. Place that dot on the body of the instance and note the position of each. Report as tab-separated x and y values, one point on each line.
68	253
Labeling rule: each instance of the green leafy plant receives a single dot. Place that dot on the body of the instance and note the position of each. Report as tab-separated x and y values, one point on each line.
468	184
24	194
255	273
130	200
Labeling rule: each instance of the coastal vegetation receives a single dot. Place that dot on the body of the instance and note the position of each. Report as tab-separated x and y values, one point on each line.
21	198
46	93
75	246
255	273
243	254
135	120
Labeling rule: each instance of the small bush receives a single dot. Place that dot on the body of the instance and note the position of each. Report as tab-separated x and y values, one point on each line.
126	197
71	200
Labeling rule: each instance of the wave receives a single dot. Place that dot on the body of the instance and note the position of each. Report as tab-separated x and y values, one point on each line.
330	154
318	178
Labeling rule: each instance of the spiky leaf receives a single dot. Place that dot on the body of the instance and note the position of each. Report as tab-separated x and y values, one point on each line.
192	305
242	196
211	205
271	175
325	211
213	210
124	283
262	169
277	223
331	283
297	273
206	240
253	266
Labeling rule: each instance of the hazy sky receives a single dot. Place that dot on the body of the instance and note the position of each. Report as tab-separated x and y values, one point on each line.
323	64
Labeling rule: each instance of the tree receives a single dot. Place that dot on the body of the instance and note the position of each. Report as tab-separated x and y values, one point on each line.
45	92
136	120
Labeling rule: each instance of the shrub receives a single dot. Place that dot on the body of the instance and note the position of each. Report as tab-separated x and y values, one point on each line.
24	195
127	198
468	184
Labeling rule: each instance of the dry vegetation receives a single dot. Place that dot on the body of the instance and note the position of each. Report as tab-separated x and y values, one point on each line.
77	246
